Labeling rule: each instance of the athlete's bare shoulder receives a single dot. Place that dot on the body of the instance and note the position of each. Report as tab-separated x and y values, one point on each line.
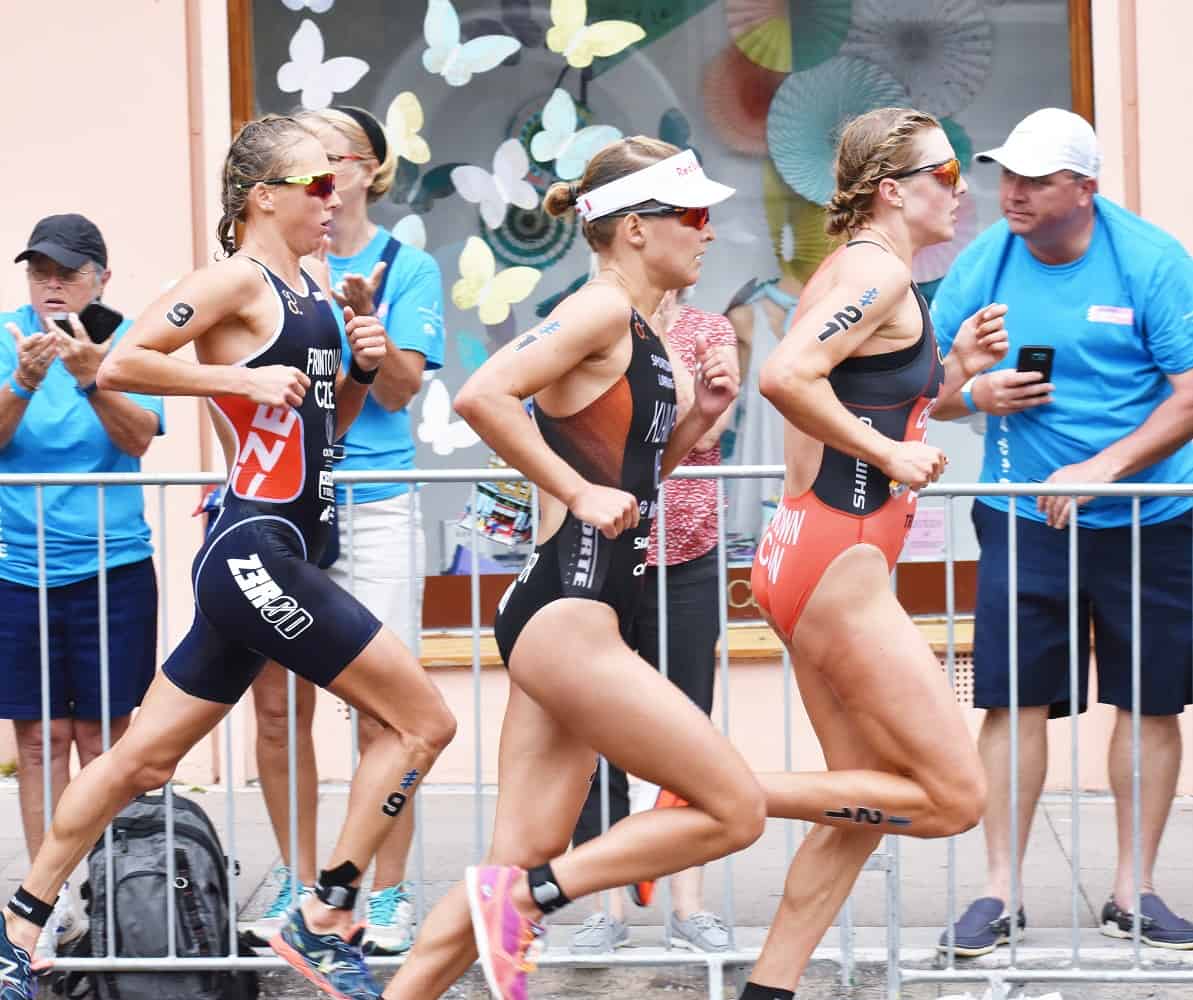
607	299
598	313
867	263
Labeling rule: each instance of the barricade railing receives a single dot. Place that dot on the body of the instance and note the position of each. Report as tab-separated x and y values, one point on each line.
885	860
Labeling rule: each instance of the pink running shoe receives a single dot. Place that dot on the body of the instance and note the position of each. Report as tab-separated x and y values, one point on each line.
503	935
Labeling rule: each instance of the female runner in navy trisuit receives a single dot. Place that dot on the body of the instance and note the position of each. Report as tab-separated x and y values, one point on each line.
856	377
268	351
602	438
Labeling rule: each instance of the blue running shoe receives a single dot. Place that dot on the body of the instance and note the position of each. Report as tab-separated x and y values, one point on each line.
1158	925
334	965
982	928
16	972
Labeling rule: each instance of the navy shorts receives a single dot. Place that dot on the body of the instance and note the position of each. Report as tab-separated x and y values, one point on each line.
1103	598
257	598
73	625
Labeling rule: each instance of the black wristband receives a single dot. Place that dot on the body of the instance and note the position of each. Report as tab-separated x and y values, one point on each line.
25	904
358	374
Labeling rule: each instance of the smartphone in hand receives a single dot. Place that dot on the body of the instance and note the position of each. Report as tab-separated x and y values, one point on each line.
99	320
1036	359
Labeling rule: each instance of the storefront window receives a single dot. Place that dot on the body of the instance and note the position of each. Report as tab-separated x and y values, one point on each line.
757	87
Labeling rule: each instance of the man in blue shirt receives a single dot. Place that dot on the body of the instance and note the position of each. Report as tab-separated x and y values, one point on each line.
1112	295
54	419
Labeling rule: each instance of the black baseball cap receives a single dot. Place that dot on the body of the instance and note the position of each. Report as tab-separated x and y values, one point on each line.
71	240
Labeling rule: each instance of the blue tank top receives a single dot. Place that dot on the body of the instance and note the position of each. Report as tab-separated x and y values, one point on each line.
284	454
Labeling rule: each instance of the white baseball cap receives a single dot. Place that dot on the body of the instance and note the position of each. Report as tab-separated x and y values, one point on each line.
678	180
1046	141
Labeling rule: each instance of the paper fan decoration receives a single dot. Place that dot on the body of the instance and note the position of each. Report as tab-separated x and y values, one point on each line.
737	96
796	227
763	31
933	262
940	51
808	112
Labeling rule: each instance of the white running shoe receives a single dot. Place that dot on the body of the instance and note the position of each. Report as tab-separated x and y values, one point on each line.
67	923
391	920
264	927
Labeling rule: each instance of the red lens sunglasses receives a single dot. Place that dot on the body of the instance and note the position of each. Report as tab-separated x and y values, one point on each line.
316	185
693	218
947	172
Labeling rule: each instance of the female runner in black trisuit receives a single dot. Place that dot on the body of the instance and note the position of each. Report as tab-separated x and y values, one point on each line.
269	358
604	406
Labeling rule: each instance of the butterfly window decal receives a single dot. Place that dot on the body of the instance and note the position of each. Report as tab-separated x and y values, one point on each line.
482	287
560	141
505	186
515	19
455	60
317	79
437	428
314	6
579	43
403	121
411	230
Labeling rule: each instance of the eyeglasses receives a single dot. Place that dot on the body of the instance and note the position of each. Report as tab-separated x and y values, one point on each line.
336	159
64	275
316	185
948	172
693	218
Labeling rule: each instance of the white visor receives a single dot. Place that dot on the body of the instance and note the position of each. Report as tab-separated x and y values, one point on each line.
678	180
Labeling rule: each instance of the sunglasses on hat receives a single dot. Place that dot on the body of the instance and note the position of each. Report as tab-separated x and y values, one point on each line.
948	172
316	185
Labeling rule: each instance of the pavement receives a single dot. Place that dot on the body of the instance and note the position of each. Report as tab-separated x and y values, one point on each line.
747	888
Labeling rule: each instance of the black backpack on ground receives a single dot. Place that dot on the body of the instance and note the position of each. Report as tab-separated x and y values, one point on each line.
139	875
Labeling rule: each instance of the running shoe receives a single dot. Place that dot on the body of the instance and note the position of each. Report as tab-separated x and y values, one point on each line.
1158	925
66	925
334	965
982	928
599	935
503	936
391	919
16	971
259	931
650	796
702	931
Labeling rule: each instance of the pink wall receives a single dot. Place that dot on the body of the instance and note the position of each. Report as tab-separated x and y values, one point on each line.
114	117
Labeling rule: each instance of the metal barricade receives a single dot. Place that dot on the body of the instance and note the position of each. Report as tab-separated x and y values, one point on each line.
886	860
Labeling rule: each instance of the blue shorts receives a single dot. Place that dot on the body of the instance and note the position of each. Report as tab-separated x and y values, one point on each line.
1103	596
73	626
257	598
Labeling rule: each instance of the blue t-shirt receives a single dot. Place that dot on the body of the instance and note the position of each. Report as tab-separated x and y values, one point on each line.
60	432
411	310
1121	320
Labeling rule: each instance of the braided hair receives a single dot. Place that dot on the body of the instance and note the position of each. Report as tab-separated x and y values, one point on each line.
872	146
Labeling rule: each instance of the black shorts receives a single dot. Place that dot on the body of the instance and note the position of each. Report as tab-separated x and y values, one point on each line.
257	598
72	614
1103	596
576	561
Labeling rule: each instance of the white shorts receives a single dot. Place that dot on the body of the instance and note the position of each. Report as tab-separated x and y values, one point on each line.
381	565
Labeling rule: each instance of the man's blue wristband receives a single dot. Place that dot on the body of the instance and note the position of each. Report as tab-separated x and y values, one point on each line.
967	395
17	389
